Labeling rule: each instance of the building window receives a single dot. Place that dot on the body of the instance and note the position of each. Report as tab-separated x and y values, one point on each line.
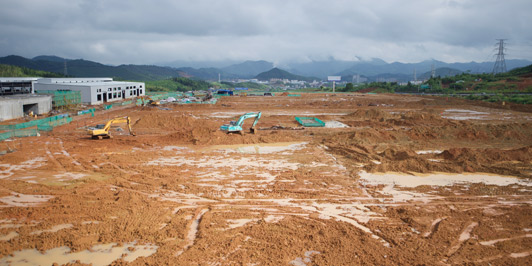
140	92
141	86
109	89
109	95
99	97
114	95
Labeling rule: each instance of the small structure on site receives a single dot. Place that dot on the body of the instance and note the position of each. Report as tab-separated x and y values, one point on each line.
12	107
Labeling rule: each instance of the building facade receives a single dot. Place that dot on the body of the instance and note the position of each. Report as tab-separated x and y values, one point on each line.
94	91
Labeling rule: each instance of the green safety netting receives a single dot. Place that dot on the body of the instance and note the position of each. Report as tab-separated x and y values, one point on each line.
23	129
19	133
32	123
62	98
88	111
50	126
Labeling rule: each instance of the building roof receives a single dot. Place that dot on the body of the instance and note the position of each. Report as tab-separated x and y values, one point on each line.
74	80
23	97
91	84
18	79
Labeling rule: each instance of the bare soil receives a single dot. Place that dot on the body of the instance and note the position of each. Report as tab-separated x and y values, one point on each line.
189	194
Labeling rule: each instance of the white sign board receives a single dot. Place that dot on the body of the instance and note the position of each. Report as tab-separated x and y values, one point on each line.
334	78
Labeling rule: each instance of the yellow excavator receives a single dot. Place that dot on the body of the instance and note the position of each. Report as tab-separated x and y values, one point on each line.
102	131
147	100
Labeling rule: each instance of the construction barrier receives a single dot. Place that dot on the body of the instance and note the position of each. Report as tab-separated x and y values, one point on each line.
88	111
19	133
126	102
50	126
32	123
22	129
62	97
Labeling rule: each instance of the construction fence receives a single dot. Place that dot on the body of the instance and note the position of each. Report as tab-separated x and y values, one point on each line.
62	98
19	133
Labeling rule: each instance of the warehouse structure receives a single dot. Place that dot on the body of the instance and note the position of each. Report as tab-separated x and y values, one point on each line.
13	86
17	106
93	90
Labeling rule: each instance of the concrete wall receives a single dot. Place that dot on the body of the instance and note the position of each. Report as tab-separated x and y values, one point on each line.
12	107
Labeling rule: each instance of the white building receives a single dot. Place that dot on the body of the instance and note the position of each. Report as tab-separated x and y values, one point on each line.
94	90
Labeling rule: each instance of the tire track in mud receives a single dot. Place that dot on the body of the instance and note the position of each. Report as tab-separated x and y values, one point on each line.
53	158
464	236
193	231
67	154
434	227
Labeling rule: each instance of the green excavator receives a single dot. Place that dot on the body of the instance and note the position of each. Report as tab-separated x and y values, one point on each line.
236	126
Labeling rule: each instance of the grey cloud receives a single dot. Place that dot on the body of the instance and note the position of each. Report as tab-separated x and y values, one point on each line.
142	31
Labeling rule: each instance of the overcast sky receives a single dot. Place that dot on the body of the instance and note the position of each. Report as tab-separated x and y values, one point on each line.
280	31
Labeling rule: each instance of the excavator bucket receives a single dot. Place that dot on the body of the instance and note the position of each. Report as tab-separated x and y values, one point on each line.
252	130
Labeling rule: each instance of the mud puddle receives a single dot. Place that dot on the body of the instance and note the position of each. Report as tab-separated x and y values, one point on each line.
103	254
439	179
335	124
285	147
462	114
7	170
23	200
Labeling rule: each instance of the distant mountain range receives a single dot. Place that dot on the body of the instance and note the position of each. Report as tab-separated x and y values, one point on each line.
276	73
374	69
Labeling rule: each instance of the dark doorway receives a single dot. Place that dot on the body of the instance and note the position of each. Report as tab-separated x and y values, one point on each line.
27	108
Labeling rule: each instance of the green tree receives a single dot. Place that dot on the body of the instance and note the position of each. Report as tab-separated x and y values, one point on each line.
349	87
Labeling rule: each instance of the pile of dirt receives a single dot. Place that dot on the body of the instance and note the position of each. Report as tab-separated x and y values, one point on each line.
370	114
523	155
397	155
166	121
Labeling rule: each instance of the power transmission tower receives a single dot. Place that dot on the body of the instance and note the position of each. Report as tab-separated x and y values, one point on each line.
432	71
500	64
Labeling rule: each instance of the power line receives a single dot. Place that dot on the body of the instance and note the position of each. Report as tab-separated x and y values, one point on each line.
500	63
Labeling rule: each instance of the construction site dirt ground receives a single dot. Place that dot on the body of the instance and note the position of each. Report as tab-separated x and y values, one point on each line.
390	180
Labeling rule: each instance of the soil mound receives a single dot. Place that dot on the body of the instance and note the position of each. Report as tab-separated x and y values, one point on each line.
373	114
488	155
396	155
166	121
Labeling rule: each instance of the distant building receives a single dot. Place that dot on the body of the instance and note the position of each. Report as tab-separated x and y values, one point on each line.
93	90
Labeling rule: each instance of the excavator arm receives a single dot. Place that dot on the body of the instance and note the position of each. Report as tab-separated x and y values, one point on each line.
236	126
